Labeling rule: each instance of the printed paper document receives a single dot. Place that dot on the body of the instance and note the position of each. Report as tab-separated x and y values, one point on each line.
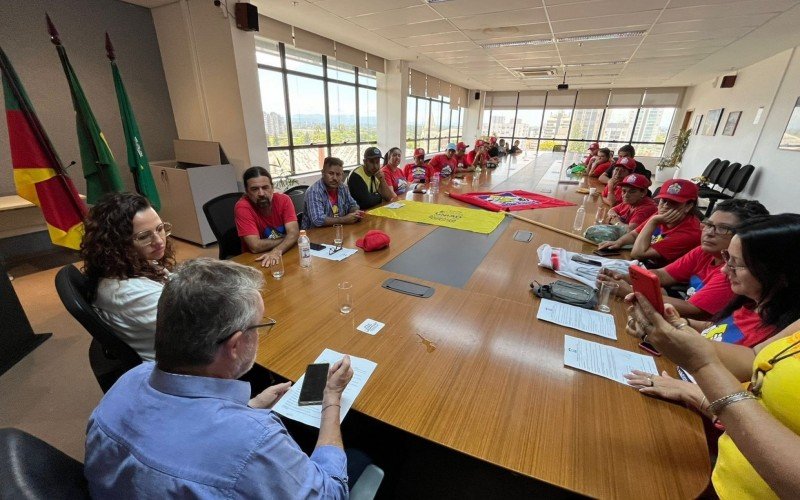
325	253
577	318
606	361
310	415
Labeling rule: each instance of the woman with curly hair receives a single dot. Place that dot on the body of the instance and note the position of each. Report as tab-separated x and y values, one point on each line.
127	260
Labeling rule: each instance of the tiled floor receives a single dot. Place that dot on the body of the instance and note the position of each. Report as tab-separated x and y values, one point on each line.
52	391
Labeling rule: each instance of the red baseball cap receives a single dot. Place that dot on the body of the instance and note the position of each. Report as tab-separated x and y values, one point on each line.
680	190
493	139
636	181
628	163
479	143
419	152
461	145
373	240
594	146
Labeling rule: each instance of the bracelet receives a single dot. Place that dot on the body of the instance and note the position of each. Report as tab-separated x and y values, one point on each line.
725	401
328	406
703	401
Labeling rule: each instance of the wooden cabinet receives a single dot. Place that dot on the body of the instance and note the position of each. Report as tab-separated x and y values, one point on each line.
199	173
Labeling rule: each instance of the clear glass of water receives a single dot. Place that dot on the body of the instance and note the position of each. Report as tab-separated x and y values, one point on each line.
345	293
338	235
607	290
277	268
600	215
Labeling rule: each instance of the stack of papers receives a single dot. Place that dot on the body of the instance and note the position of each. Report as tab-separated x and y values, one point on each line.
577	318
310	415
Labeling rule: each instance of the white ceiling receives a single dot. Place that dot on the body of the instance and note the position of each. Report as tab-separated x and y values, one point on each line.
686	41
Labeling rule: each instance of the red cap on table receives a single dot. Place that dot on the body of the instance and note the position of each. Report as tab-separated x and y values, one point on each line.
373	240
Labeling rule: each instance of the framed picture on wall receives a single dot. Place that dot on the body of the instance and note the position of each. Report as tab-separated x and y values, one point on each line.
791	136
713	118
731	123
698	120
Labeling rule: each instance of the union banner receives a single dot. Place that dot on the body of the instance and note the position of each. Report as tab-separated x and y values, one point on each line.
463	218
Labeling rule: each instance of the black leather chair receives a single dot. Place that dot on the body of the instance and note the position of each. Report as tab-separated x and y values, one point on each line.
716	173
734	186
109	356
32	469
724	177
219	213
298	195
707	172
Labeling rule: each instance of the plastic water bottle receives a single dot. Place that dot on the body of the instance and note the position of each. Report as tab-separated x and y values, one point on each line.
580	216
304	244
435	183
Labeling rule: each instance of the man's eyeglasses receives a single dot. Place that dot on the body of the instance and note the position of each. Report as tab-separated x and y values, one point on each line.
144	238
718	229
726	257
332	250
261	328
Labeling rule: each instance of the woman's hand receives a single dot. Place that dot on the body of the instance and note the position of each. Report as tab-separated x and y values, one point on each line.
670	334
666	387
612	245
623	288
671	216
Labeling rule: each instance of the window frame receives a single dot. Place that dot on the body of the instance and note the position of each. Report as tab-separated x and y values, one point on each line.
444	135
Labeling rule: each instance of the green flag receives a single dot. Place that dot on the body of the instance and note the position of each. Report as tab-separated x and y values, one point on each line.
99	166
137	158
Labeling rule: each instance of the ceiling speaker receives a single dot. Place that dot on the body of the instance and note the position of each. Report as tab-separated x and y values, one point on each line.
477	96
246	16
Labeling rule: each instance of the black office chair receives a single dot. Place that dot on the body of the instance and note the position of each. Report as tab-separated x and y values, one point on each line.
722	181
734	186
707	172
716	173
219	213
109	356
298	196
32	469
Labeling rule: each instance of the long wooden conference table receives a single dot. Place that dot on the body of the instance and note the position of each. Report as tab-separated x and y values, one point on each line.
472	369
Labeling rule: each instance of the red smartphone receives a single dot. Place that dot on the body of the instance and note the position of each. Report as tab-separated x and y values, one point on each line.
647	346
647	283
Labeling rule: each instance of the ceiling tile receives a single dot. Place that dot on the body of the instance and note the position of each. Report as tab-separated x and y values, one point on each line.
416	29
717	11
512	17
709	25
510	33
588	10
435	38
632	21
460	8
396	17
448	47
350	8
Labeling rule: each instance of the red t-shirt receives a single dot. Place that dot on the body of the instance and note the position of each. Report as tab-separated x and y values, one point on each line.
743	327
443	165
249	221
672	242
617	192
418	173
396	178
636	214
464	160
476	159
599	169
712	288
588	159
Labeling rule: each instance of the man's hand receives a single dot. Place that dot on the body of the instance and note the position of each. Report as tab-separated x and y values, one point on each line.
270	396
269	258
611	245
339	376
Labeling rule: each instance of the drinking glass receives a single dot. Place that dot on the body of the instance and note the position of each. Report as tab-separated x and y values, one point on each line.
337	235
600	215
345	297
607	290
277	268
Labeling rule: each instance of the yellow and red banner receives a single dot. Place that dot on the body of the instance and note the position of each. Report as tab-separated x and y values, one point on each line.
466	219
38	174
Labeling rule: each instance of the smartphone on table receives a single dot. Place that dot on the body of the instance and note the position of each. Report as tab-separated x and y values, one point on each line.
647	283
314	384
606	252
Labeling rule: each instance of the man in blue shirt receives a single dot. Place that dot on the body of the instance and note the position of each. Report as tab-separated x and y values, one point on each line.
328	201
183	427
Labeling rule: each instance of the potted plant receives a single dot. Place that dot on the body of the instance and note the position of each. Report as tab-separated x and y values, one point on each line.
281	176
674	159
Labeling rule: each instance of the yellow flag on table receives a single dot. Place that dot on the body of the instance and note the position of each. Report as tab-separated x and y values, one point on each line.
466	219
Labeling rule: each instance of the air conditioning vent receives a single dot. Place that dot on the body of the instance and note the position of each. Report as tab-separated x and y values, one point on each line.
536	72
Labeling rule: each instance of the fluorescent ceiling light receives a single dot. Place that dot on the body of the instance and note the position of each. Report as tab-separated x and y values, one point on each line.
436	1
581	65
547	41
606	36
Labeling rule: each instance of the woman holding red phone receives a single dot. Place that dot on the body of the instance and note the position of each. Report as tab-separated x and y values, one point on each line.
750	464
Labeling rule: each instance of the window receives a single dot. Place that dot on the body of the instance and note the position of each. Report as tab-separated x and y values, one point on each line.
573	126
431	124
314	107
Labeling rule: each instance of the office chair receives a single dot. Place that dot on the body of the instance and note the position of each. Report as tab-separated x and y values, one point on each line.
716	172
219	213
734	186
368	483
298	196
713	163
109	356
32	469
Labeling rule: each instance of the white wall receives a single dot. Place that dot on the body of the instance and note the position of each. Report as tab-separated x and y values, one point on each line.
773	83
392	103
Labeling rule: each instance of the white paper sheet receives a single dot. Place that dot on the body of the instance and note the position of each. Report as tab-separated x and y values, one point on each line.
606	361
370	326
310	415
338	256
395	204
577	318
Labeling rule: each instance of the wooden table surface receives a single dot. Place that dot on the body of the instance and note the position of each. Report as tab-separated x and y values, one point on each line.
472	369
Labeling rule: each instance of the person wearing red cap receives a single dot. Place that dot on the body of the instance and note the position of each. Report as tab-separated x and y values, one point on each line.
392	172
464	165
477	157
445	164
419	171
636	206
671	232
600	162
593	149
612	193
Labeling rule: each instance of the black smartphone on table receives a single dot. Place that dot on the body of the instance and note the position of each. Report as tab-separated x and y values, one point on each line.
317	246
606	252
584	260
314	384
